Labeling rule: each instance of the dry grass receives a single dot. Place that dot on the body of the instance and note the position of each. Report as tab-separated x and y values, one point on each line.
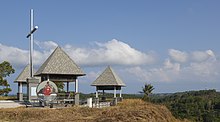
127	111
8	97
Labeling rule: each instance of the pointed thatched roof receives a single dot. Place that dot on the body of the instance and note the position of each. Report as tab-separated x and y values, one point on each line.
108	78
59	63
23	75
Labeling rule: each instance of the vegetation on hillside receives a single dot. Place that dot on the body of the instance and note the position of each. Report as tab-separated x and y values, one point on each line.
200	106
147	90
127	111
6	70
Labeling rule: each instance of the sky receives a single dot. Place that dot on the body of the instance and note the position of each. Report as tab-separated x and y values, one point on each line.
173	45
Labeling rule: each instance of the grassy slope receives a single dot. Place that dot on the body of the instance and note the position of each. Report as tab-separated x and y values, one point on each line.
128	110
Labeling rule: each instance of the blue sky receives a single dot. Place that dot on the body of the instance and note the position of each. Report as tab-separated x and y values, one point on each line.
171	44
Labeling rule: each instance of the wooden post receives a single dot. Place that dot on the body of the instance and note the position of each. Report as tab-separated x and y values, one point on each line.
20	87
115	97
20	94
96	93
76	92
67	86
96	97
115	92
120	93
103	92
48	77
76	86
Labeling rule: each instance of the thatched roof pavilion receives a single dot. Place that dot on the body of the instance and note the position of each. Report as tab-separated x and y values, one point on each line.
25	73
58	67
108	80
22	80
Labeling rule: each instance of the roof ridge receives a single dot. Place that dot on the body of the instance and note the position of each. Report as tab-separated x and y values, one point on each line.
59	62
117	78
42	67
108	78
112	71
23	74
68	56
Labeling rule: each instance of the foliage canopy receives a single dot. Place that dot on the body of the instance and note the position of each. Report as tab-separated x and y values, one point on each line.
147	90
5	70
203	105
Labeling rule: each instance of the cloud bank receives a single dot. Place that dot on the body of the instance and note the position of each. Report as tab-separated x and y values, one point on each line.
177	66
182	66
16	56
113	52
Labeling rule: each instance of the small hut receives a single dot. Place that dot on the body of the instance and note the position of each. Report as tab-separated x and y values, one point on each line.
22	80
108	80
59	67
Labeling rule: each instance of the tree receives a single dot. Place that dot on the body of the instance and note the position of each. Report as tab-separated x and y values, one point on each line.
5	70
60	86
147	90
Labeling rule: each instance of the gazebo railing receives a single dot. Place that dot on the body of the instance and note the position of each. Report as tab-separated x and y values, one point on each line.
65	97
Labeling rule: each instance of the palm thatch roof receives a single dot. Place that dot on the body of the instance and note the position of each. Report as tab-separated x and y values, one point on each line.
59	63
108	78
23	75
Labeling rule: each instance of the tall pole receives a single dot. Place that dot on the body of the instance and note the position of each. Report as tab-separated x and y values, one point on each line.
32	30
31	42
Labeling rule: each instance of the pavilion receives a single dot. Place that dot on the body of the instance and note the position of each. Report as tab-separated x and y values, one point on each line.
58	67
22	81
109	80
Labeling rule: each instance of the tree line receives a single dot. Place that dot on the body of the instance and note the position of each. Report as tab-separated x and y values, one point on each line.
6	70
203	105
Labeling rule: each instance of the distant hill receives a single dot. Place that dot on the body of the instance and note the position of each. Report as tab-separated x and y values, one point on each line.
127	111
203	105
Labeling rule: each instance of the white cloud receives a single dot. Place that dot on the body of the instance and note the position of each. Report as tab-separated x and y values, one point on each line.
90	76
39	57
202	55
204	67
168	72
173	66
46	45
203	71
178	66
178	56
112	52
14	55
210	53
20	57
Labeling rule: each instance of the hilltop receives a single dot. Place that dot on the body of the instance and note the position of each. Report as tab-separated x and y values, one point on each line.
128	110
